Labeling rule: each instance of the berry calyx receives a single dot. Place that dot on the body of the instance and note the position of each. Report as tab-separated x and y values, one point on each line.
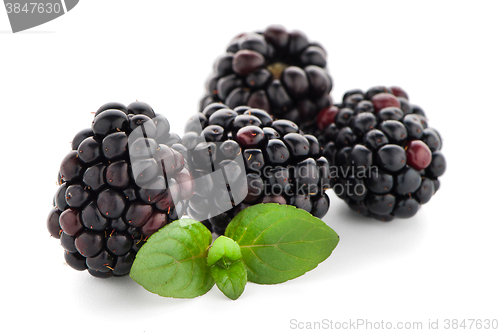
281	72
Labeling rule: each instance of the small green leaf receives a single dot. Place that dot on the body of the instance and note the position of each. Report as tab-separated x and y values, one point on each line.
223	247
280	242
228	271
173	262
230	280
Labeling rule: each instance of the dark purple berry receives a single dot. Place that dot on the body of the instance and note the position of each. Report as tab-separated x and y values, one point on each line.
93	219
75	260
117	174
115	145
438	165
111	106
53	223
391	157
94	177
141	108
406	208
251	137
68	242
76	196
381	143
110	121
277	152
71	167
80	136
246	61
89	243
89	150
70	221
118	243
297	144
103	262
111	203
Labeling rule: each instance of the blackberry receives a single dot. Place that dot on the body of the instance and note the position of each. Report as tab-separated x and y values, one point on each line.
242	157
278	71
124	178
386	159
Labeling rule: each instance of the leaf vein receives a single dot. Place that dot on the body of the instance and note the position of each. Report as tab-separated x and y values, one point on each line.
278	270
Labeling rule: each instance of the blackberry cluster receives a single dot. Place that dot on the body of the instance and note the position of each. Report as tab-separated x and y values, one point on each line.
275	70
242	157
124	178
387	160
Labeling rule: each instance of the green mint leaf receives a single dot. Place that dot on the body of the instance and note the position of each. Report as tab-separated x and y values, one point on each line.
223	248
173	261
230	280
280	242
228	271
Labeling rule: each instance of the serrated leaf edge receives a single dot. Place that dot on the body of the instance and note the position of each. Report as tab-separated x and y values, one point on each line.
251	246
230	281
177	262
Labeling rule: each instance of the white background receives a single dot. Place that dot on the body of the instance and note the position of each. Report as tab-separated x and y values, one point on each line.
441	264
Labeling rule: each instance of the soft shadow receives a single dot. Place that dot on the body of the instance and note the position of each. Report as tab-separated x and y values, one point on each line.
366	241
120	294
